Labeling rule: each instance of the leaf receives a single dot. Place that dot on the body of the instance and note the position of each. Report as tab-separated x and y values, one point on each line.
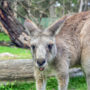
74	1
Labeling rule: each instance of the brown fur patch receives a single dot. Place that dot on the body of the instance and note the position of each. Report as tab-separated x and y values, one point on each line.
70	35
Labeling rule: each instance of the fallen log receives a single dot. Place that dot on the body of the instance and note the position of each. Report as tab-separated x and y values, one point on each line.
22	70
8	44
19	70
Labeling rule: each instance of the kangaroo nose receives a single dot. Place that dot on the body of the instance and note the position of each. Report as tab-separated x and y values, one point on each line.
40	62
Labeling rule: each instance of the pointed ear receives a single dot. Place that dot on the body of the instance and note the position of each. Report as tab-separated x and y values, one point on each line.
31	28
55	28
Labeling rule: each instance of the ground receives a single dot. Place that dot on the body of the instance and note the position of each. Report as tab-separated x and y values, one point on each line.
18	52
76	83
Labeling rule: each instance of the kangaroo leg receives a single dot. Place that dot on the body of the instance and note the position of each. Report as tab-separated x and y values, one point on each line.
85	61
40	84
63	75
40	81
63	82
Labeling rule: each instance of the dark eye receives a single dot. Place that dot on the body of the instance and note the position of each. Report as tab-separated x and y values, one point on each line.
33	47
50	46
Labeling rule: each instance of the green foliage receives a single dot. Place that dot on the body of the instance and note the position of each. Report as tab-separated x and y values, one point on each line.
74	1
76	83
21	10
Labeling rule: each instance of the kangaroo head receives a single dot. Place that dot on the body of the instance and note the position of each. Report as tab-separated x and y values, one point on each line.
43	46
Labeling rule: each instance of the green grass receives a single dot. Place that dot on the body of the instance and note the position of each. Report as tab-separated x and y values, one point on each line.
76	83
18	52
4	37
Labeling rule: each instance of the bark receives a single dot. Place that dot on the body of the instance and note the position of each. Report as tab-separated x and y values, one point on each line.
52	9
81	6
63	8
8	44
22	70
11	70
12	27
85	8
15	8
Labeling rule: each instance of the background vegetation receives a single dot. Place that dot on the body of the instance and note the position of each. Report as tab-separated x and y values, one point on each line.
36	10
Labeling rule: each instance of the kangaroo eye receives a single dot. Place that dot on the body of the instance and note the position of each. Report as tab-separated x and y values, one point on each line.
50	46
33	47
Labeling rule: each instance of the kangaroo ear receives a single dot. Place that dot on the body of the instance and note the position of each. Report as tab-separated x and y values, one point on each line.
31	28
55	28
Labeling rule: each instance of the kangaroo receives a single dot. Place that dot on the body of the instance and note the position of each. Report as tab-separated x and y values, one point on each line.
64	44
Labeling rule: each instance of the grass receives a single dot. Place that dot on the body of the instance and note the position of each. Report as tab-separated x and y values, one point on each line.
17	52
76	83
4	37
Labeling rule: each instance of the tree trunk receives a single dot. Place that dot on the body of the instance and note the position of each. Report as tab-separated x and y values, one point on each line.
85	8
81	6
12	27
52	9
15	8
